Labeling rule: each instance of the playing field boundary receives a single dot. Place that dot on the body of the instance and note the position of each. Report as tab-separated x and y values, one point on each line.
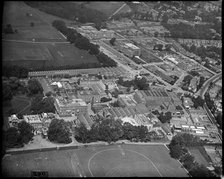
21	151
126	150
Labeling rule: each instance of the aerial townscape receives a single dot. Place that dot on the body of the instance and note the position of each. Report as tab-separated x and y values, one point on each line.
112	89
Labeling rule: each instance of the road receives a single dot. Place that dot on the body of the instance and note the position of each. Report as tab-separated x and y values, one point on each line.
202	93
205	86
117	10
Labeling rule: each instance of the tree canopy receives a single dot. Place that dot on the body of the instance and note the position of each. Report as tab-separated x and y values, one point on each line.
138	83
26	131
59	132
34	86
12	138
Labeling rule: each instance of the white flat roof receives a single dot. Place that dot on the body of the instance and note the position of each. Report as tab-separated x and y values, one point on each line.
132	46
129	120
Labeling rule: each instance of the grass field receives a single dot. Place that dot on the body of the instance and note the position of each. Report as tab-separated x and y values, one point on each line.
113	160
40	54
50	48
108	7
199	157
14	13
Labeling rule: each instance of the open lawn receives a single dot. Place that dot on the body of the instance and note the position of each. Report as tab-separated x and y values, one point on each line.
15	51
21	105
108	7
44	54
14	13
114	160
38	46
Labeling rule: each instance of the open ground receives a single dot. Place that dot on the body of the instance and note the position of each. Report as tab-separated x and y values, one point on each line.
113	160
108	7
40	45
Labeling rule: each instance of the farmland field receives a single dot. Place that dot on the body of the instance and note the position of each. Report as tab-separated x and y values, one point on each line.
38	46
114	160
49	54
108	7
14	13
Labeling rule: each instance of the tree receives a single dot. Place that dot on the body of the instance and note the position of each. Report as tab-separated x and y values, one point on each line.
8	29
158	47
141	83
26	131
156	34
187	160
218	119
186	140
59	24
179	108
31	24
112	41
58	131
198	101
142	131
200	171
81	133
7	93
104	99
110	130
94	49
165	118
48	105
12	138
34	86
175	151
129	132
36	104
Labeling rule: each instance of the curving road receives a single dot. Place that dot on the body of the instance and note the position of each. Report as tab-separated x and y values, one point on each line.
205	86
202	93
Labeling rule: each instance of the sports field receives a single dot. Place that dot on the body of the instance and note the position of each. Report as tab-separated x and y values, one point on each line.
114	160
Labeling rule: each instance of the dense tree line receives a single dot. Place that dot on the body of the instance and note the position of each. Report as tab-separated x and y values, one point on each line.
17	137
59	131
138	83
110	130
69	10
83	43
15	71
178	150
